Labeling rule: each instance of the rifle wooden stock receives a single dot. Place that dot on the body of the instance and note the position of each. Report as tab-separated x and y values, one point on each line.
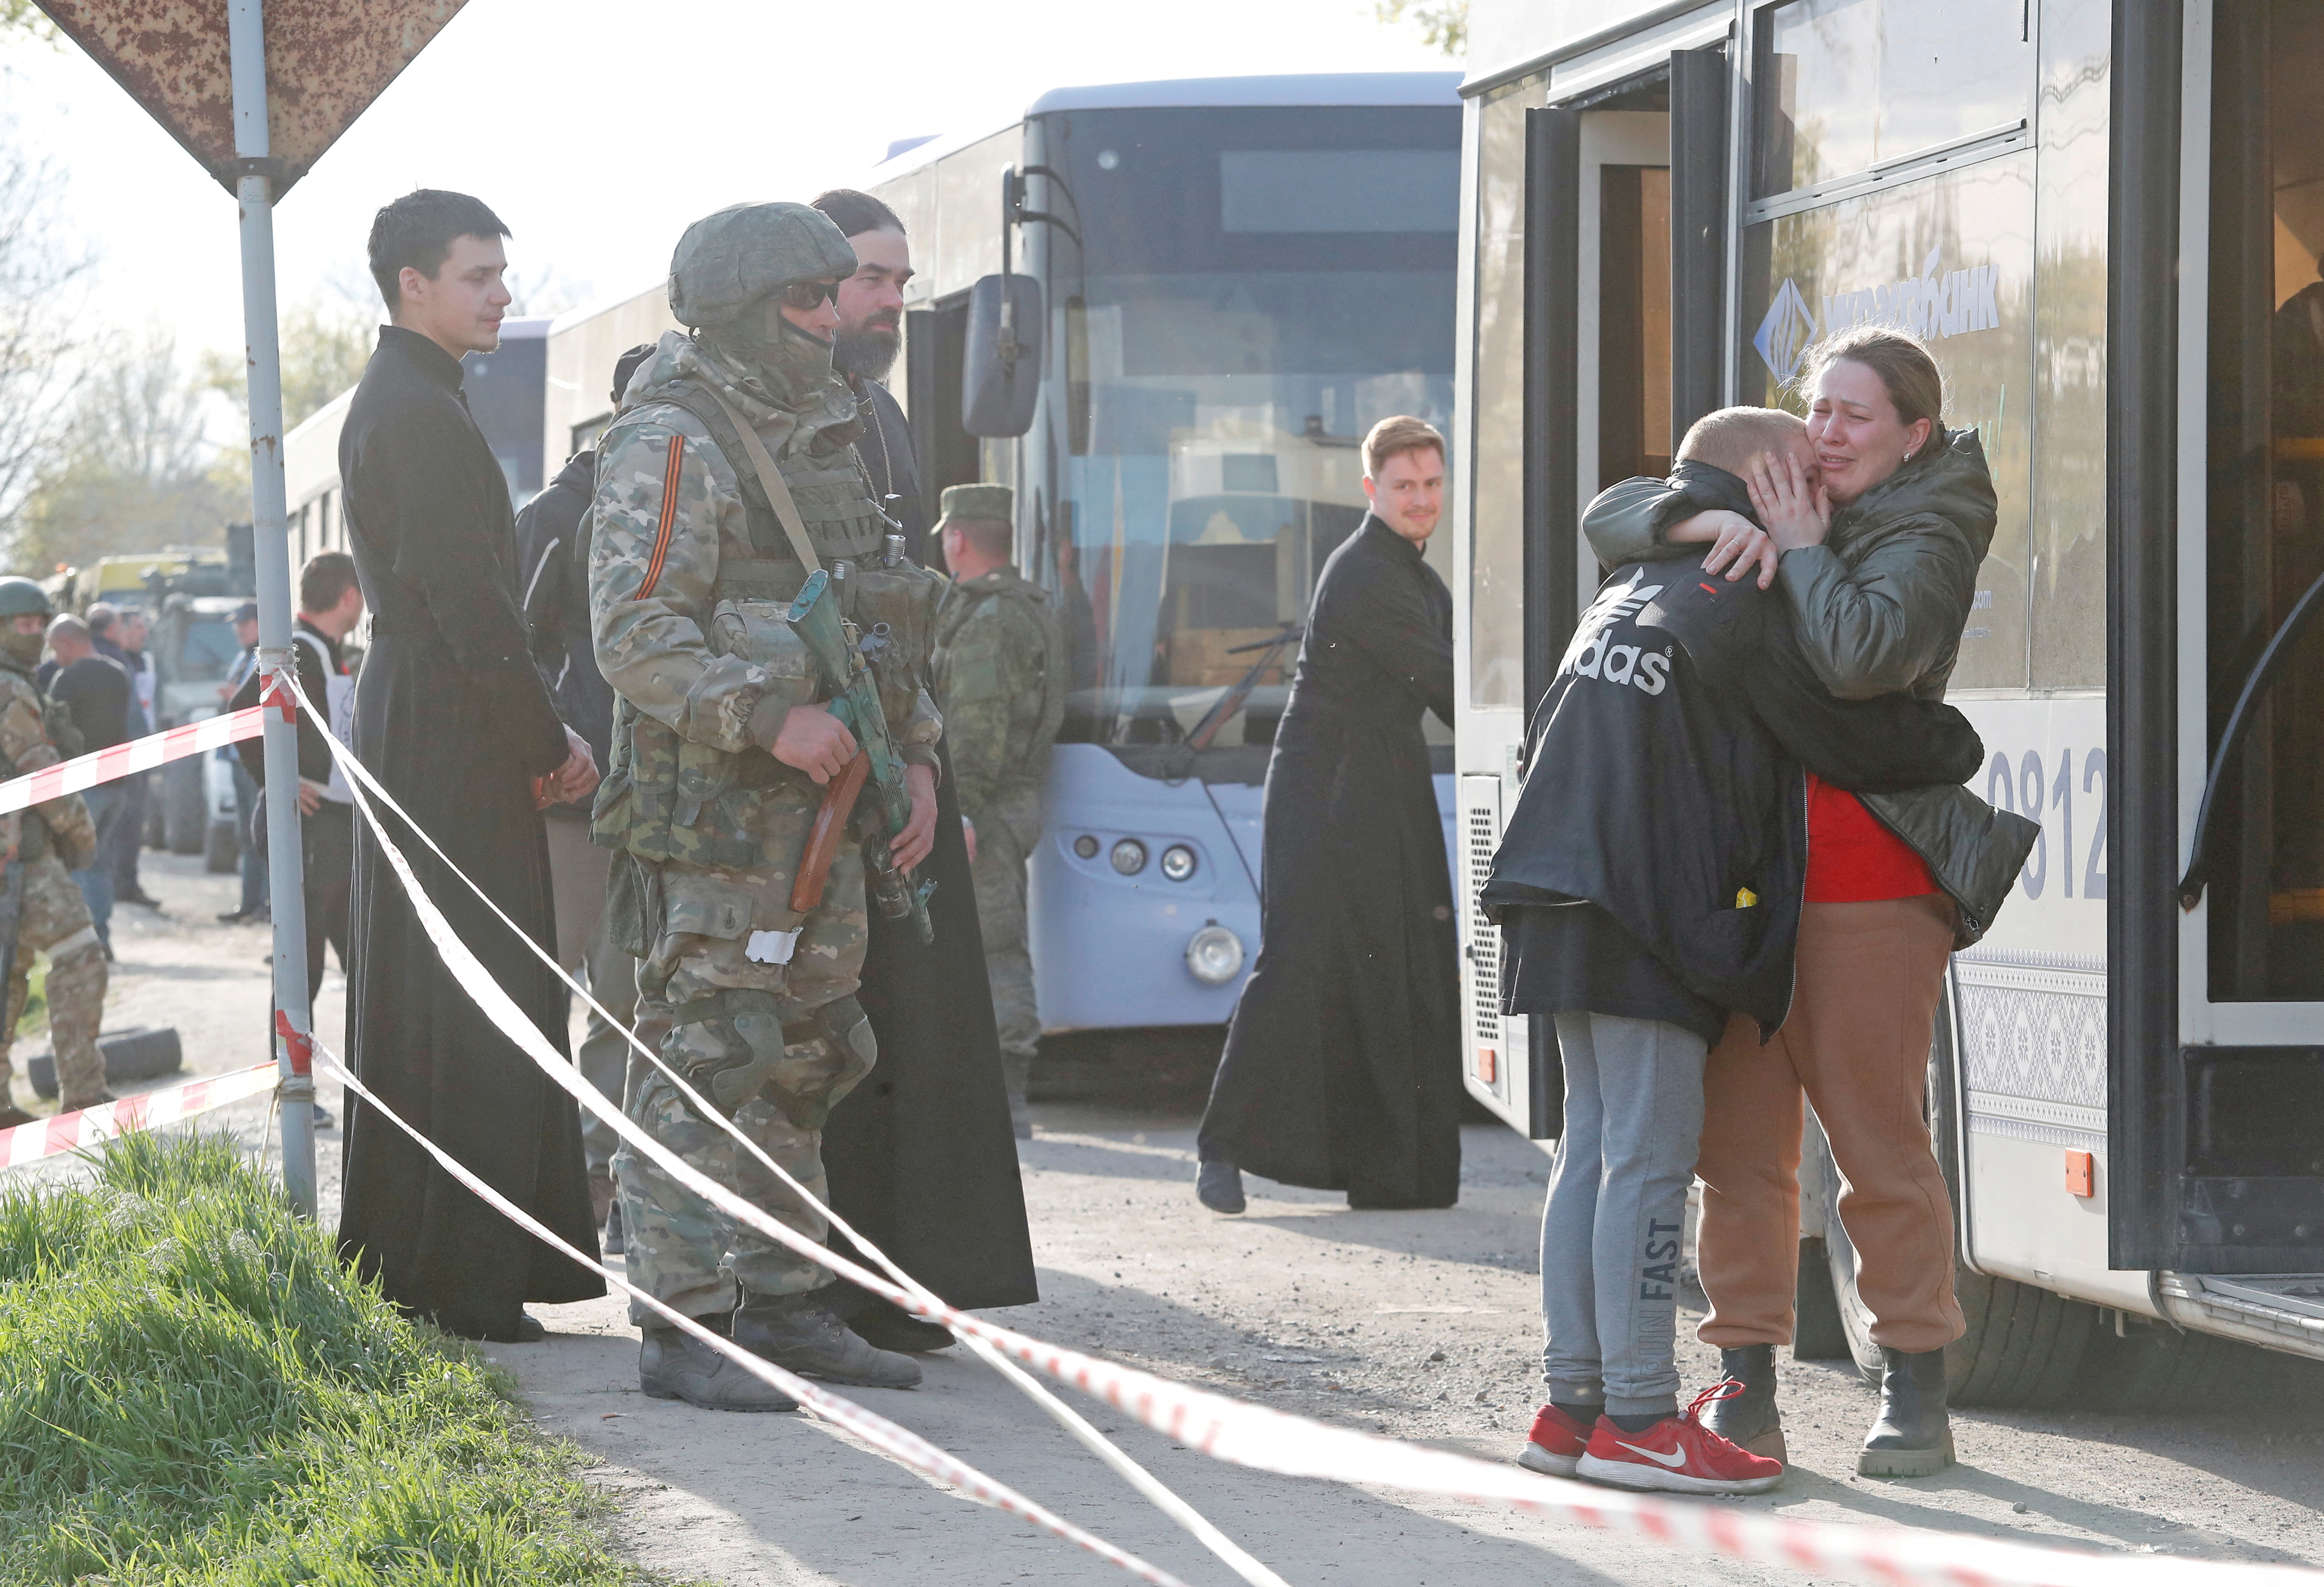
830	826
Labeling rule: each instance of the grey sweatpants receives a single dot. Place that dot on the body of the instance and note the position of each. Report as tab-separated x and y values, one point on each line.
1610	1233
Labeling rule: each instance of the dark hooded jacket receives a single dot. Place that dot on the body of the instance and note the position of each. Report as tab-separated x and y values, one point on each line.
1879	607
552	559
1664	778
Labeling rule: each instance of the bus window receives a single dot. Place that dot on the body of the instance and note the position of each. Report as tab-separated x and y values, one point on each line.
1230	334
1497	480
2266	533
1950	258
2070	368
1847	85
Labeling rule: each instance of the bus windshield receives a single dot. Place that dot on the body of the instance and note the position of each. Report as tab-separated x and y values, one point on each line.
1258	289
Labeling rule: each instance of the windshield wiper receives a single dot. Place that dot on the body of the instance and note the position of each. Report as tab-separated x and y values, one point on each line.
2263	675
1229	702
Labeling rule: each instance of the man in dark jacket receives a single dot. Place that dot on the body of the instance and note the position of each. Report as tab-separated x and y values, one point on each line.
552	548
453	720
921	1158
1341	1068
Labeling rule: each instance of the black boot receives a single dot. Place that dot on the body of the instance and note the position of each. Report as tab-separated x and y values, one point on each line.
1750	1420
802	1333
1218	1185
1912	1437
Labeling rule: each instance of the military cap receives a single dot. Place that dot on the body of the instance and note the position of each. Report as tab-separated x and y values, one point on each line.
728	260
987	503
21	598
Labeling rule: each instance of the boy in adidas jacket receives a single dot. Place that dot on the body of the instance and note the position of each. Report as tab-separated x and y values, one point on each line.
1649	882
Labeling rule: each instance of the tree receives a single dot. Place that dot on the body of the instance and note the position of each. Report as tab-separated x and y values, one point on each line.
40	271
23	19
325	342
1443	24
133	469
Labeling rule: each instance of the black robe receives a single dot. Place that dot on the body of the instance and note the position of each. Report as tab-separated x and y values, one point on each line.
451	717
1343	1066
921	1157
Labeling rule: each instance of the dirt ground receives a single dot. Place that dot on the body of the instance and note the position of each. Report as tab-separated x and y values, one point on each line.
1422	1326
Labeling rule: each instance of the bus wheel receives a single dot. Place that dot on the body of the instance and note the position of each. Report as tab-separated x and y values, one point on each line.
2138	1364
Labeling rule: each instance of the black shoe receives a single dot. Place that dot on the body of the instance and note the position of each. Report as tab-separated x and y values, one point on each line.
675	1365
140	898
237	916
1912	1437
322	1117
98	1100
1218	1185
801	1333
611	1242
1750	1420
886	1326
12	1116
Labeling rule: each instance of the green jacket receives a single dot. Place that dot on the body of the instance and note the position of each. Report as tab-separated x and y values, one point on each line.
1000	678
1880	607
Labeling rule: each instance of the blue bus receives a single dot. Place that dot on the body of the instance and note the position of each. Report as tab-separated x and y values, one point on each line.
1236	278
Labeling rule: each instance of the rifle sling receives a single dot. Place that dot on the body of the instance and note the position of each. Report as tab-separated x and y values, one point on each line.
770	480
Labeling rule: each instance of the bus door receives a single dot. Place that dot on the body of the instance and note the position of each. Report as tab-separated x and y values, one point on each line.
2230	1123
1618	256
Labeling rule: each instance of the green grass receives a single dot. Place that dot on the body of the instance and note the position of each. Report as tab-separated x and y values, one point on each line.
193	1391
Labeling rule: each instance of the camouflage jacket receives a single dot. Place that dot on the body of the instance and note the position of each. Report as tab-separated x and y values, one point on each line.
1000	673
25	747
686	610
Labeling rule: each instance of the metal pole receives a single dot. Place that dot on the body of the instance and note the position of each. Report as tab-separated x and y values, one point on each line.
270	539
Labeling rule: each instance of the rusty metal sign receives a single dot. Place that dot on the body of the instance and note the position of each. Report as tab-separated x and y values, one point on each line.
326	61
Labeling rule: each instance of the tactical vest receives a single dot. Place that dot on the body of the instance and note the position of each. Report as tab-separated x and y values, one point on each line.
1050	713
668	797
33	840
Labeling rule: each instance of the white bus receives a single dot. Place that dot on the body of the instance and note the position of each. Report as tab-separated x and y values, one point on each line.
1663	207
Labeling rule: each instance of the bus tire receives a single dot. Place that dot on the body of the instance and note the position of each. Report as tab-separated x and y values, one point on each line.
2151	1366
185	805
221	849
1817	1333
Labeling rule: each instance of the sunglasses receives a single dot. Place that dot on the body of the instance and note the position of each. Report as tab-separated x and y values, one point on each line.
804	295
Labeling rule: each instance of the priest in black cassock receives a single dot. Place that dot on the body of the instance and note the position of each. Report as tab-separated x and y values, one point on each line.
1342	1065
451	717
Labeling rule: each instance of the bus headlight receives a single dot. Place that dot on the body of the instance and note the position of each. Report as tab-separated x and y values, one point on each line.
1177	862
1214	955
1129	856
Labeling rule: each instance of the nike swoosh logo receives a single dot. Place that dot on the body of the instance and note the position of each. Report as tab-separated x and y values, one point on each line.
1674	1461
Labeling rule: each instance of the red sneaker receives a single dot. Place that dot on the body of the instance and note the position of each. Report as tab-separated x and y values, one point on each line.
1554	1446
1677	1455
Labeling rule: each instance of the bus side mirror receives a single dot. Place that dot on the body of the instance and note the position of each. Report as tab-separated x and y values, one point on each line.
1001	366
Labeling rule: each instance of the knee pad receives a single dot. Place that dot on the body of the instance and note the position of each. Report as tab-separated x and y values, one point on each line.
726	1044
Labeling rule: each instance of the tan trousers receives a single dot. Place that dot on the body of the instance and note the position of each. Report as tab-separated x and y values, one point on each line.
1857	1042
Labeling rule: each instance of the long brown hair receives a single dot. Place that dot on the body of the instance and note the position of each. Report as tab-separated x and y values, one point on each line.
1898	357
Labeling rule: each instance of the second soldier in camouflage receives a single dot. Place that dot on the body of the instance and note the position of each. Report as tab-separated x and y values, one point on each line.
721	756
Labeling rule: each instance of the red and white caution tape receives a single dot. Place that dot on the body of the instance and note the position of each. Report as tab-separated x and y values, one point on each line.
89	1127
1078	1426
900	1442
139	754
1275	1441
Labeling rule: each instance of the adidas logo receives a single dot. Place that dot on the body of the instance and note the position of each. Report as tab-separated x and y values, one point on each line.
1590	656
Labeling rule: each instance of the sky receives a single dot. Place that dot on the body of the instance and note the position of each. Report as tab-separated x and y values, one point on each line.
597	129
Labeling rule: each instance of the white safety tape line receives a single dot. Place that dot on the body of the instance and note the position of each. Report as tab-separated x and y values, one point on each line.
139	754
1276	1441
151	1109
900	1443
1148	1486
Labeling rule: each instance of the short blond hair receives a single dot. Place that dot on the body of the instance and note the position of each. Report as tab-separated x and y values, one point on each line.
1403	433
1732	436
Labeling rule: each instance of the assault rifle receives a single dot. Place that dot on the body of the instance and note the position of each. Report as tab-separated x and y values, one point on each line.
838	654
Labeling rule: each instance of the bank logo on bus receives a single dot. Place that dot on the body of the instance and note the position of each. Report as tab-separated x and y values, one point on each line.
1936	304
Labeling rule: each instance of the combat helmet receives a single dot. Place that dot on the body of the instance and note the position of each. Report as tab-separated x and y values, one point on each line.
728	260
21	598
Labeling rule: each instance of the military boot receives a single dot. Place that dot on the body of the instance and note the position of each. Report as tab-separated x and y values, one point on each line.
1750	1420
1912	1437
673	1364
1218	1185
801	1333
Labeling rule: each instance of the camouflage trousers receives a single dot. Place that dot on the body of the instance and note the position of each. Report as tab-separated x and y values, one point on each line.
774	1046
998	872
55	921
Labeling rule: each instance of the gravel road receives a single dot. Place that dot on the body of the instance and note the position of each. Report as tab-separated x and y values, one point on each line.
1421	1325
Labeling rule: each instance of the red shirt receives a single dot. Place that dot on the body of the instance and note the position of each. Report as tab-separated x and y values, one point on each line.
1852	859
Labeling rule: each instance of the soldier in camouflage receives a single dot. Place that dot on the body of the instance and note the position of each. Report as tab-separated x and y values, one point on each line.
1000	674
721	753
42	845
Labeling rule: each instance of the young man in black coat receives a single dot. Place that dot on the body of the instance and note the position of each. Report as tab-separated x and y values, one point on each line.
452	719
1649	882
1341	1068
